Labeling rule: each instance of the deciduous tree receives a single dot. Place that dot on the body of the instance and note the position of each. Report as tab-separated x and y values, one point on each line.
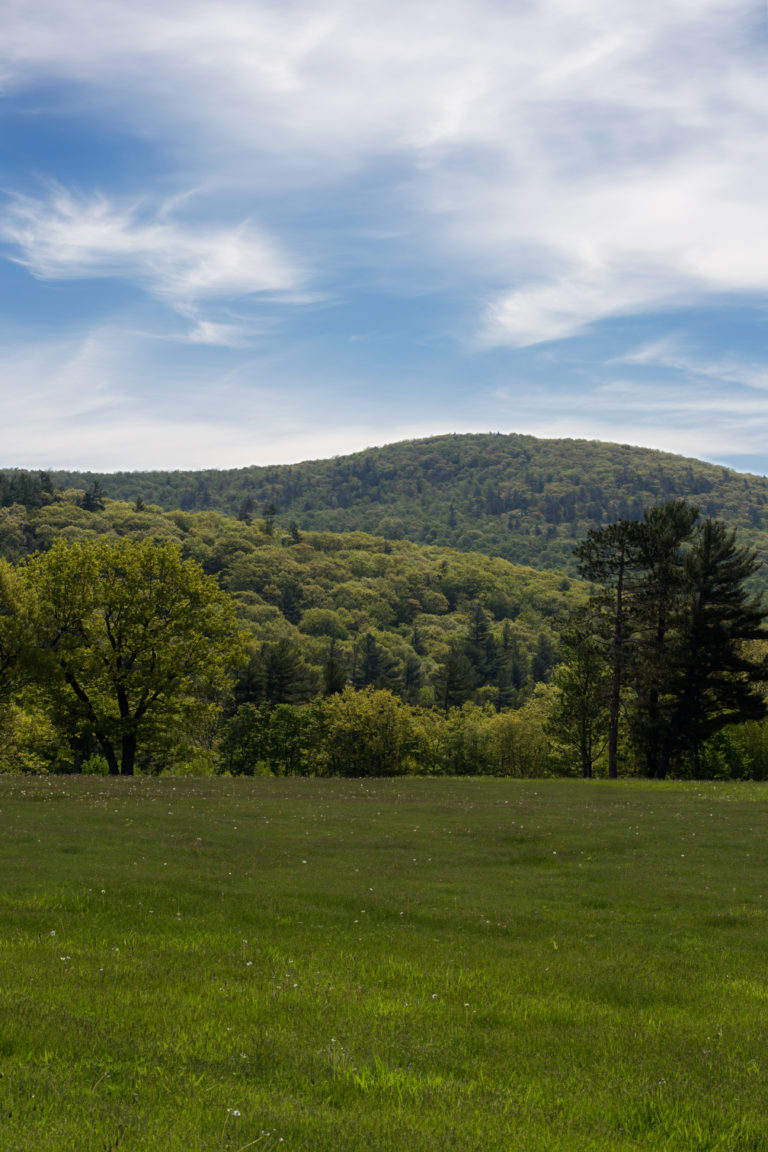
133	633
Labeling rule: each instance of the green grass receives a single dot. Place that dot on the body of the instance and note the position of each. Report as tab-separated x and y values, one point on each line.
414	965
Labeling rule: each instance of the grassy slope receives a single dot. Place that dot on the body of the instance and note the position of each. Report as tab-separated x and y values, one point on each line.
389	965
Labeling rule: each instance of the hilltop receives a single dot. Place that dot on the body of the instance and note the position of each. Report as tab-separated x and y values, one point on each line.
525	499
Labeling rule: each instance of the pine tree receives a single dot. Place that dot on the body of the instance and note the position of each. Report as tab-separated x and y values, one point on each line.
676	619
719	679
610	556
659	601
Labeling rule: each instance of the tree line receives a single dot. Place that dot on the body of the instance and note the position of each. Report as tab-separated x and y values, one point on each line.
127	654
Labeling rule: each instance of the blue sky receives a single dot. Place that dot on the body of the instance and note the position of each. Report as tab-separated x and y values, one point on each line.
265	231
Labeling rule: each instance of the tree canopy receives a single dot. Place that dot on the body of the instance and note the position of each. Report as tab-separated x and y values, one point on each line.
681	636
133	633
527	499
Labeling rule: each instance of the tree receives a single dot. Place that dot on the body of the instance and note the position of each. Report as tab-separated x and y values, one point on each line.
367	733
583	686
456	679
658	609
269	518
133	634
261	738
334	675
245	511
679	620
93	497
17	652
275	674
719	680
609	556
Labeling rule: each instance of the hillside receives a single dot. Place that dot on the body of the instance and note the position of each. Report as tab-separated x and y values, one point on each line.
522	498
432	624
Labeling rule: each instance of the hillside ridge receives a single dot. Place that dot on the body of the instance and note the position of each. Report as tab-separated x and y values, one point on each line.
526	499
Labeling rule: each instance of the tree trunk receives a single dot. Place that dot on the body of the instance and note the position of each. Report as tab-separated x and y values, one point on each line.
617	656
109	755
128	754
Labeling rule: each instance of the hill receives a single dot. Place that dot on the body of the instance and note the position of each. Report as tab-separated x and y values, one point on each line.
525	499
432	624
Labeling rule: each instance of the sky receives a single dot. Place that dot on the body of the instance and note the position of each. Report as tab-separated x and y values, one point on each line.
259	232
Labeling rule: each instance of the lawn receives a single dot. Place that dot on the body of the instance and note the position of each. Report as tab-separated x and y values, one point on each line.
416	964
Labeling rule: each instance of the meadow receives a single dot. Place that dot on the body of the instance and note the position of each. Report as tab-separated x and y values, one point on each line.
422	964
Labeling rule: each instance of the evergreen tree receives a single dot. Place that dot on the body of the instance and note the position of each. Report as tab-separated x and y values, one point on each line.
245	511
610	556
269	518
93	497
720	681
334	676
659	602
285	678
456	680
676	619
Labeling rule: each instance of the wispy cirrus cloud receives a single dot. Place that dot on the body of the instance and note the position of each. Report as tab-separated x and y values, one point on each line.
562	147
670	352
65	237
60	393
544	167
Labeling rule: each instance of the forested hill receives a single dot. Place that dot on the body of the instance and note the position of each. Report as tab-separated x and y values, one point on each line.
432	624
519	497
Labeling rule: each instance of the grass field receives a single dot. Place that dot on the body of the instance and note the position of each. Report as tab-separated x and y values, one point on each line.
422	964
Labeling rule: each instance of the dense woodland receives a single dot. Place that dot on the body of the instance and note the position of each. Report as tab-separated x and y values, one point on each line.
369	653
525	499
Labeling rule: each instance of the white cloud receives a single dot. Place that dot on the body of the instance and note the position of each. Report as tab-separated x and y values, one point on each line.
556	162
78	403
670	353
691	416
596	159
67	238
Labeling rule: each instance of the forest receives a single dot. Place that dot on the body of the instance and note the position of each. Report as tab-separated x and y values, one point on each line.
350	653
526	499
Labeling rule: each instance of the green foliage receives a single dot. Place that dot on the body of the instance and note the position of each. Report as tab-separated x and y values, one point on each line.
16	633
460	631
396	614
526	499
579	721
135	638
371	732
367	733
259	740
27	489
671	626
